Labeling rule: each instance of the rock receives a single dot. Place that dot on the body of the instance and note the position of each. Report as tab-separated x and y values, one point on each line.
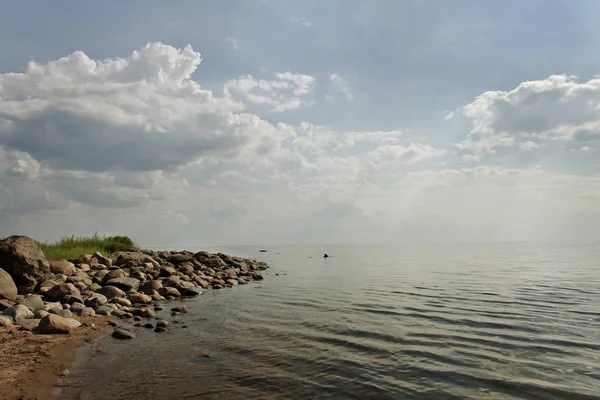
62	313
262	251
72	298
98	267
159	329
83	267
117	273
217	286
192	292
39	314
8	289
137	318
6	321
169	291
148	326
62	267
105	310
18	312
111	291
96	300
24	261
4	304
139	298
161	323
45	285
59	291
53	306
33	302
148	287
167	271
94	287
232	282
143	312
120	333
52	324
122	257
180	258
180	308
112	323
101	259
89	324
177	283
80	278
87	312
29	324
120	301
77	307
124	283
158	308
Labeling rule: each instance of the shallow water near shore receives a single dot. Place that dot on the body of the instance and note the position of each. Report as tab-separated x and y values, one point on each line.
501	321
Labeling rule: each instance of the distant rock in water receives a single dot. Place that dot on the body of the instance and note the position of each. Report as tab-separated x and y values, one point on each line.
325	255
262	251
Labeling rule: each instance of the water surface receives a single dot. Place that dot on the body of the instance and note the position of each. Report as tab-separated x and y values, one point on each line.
502	321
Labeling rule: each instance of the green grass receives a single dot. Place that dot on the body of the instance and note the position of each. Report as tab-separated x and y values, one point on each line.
74	247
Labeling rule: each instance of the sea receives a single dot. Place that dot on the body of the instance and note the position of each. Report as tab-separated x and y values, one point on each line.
418	321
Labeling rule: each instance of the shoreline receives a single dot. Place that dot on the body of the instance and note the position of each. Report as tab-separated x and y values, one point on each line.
32	363
73	302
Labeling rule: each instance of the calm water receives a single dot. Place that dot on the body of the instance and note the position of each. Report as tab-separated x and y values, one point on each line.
423	322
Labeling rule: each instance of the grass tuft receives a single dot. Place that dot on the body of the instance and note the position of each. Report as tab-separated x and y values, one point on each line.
76	246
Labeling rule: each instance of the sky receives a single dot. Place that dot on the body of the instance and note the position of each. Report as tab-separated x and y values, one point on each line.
314	122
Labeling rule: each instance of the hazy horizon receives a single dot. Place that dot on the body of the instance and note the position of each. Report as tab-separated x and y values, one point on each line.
279	122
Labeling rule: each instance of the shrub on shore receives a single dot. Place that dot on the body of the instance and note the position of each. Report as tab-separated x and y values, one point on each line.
75	246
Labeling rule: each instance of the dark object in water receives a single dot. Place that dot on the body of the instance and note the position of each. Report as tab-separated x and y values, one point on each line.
262	251
325	255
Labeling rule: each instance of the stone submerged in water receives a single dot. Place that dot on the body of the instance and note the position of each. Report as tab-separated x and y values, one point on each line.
120	333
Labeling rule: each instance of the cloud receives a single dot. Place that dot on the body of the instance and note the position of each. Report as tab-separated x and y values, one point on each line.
302	21
559	107
289	91
233	42
394	153
134	145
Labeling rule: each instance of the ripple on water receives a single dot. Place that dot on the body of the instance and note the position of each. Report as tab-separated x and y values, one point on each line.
444	322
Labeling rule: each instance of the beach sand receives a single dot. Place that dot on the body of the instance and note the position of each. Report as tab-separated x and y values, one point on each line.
32	365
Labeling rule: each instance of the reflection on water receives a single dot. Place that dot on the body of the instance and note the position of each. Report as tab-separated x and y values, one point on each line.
429	322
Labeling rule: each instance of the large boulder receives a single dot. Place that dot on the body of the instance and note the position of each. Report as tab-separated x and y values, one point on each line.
52	323
24	261
63	267
8	289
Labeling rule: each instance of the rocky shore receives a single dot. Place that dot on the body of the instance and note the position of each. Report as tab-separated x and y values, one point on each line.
41	297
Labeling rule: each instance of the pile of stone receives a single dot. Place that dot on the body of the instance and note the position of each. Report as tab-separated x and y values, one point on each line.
48	296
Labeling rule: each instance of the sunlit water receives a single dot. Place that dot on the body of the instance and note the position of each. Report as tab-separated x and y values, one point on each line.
501	321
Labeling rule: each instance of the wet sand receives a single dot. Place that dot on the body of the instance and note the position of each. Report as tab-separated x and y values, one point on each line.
33	365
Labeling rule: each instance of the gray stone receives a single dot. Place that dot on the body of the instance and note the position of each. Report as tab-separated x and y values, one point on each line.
105	310
120	301
120	333
124	283
87	312
139	298
18	312
33	302
29	324
96	300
